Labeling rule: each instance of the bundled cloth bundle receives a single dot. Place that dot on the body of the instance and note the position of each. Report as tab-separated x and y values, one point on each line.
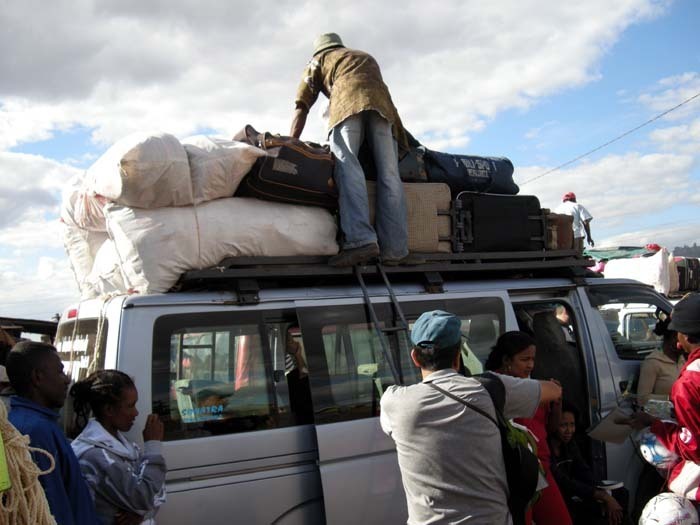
151	208
654	270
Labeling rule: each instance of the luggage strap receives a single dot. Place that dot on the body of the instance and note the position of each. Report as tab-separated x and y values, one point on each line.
463	401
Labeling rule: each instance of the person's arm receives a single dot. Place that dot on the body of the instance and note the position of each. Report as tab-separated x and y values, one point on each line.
587	227
613	509
554	416
586	219
551	391
299	121
647	378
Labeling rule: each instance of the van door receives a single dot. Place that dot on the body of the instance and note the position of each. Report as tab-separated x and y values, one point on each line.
236	450
620	317
359	469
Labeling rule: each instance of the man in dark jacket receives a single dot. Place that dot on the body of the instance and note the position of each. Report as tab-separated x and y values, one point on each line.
360	108
36	374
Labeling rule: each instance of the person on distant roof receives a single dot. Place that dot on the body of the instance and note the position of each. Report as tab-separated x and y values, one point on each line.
582	219
360	109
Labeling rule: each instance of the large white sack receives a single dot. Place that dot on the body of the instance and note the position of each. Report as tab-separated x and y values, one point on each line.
652	270
143	170
217	166
80	207
156	246
82	247
106	274
674	278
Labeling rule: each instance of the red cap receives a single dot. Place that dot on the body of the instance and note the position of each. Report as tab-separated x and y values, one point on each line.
653	247
569	196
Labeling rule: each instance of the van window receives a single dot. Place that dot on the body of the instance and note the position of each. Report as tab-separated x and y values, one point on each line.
630	318
214	375
78	346
349	372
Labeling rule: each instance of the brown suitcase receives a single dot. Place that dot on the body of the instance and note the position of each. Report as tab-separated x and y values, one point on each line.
429	223
560	231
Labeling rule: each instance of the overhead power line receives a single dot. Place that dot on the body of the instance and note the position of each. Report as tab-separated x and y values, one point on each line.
657	117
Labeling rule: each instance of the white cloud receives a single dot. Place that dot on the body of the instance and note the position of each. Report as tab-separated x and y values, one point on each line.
30	185
39	292
121	66
669	237
684	138
671	91
616	186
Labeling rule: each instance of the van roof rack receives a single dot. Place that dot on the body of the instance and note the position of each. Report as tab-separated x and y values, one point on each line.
569	261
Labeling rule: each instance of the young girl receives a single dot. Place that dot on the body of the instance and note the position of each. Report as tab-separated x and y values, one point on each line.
514	355
128	485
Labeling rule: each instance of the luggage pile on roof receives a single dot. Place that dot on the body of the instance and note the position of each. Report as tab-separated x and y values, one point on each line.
153	207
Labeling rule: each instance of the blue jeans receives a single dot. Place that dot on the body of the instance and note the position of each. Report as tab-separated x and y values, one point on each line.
390	209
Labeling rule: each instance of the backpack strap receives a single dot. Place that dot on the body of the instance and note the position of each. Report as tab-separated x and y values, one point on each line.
464	402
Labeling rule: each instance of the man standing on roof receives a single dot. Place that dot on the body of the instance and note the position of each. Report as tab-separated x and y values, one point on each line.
360	107
450	456
682	437
582	219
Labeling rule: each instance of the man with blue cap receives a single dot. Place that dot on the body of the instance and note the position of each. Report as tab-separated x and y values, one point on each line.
450	456
360	109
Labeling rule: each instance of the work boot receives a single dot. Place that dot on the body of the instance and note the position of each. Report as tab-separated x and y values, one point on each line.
412	259
353	256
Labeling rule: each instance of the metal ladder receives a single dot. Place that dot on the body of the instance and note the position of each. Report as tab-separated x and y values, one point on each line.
400	321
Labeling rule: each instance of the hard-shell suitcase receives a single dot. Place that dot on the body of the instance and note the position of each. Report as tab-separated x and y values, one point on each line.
470	173
693	266
560	231
295	172
498	223
429	222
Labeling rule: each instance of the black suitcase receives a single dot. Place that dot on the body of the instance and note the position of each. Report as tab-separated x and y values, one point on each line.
470	173
693	279
483	222
682	276
294	172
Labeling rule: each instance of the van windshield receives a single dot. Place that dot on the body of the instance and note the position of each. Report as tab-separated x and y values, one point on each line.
76	342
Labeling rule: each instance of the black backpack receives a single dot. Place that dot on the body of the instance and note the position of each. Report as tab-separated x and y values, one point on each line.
522	465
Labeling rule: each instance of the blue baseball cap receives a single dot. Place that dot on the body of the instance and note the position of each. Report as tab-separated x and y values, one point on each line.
438	329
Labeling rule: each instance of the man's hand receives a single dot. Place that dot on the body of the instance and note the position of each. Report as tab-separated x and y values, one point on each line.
551	391
637	421
153	431
613	510
127	518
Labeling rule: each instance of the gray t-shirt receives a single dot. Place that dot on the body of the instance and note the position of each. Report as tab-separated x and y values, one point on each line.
450	455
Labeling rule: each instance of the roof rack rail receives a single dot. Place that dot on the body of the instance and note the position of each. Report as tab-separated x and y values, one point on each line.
438	263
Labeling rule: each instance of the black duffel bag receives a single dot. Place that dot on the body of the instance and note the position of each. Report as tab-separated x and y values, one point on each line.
470	173
294	172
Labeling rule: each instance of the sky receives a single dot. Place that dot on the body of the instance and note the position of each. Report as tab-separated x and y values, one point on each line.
540	82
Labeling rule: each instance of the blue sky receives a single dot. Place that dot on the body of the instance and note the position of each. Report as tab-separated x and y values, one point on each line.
537	81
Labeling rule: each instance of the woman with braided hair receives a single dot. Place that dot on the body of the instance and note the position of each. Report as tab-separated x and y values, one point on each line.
128	485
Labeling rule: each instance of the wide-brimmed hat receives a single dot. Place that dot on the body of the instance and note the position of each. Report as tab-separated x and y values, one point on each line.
327	41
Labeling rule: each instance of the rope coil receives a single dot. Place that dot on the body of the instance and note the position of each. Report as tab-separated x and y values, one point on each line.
24	503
